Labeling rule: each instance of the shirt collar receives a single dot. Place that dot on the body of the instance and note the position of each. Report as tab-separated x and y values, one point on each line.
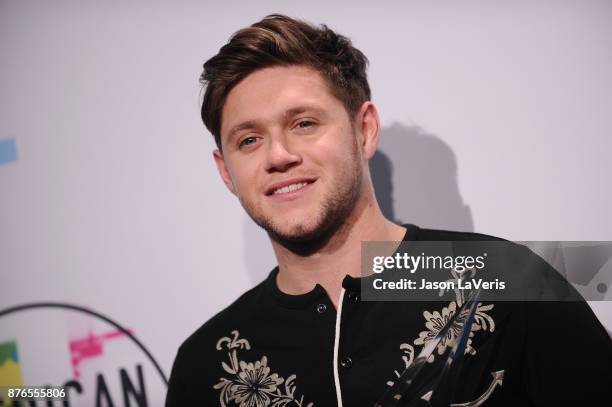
318	292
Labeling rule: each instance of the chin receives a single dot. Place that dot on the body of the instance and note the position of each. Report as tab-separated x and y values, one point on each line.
310	226
297	231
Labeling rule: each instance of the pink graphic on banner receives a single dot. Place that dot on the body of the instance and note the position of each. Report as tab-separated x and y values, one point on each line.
90	347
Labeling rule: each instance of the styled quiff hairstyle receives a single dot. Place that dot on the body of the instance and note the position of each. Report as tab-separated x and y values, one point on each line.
278	40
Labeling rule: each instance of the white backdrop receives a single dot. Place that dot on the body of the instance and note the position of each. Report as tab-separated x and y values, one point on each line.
109	197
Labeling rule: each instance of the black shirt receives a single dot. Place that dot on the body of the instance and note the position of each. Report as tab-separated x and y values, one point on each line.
274	349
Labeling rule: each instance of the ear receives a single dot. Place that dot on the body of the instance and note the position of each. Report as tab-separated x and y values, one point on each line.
369	127
225	175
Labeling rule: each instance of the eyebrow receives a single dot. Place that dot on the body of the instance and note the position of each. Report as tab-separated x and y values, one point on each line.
250	124
302	109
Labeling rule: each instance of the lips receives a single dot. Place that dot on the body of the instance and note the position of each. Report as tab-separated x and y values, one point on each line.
288	186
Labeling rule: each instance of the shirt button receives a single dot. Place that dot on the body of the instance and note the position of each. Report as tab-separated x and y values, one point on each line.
346	362
353	297
321	308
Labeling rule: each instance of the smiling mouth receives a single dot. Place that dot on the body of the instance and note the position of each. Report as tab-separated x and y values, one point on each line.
290	188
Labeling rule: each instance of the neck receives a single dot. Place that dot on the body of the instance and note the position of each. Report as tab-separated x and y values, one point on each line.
337	256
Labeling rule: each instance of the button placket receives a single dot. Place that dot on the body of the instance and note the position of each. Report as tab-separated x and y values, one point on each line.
351	297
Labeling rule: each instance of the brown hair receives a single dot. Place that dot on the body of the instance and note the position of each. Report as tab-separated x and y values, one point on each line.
281	40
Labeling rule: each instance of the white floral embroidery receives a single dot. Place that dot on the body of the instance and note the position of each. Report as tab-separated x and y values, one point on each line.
251	384
436	321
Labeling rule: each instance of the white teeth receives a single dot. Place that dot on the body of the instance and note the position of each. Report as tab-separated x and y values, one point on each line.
290	188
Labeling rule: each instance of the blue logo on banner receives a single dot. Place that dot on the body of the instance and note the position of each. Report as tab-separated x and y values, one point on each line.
8	151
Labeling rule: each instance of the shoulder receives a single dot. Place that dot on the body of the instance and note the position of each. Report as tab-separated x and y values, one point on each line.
197	359
241	311
527	276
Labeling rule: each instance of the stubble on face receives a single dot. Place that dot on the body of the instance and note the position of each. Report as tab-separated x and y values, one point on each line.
307	235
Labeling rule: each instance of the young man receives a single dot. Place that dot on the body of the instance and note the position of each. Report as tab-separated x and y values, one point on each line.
289	107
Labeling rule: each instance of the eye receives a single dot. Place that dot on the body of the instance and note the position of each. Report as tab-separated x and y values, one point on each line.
248	141
304	124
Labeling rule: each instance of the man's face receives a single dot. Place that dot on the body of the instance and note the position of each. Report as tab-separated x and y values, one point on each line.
290	153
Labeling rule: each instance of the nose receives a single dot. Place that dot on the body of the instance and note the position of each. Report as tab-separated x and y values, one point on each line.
280	155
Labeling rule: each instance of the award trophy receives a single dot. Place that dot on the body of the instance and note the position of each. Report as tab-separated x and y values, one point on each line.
433	384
